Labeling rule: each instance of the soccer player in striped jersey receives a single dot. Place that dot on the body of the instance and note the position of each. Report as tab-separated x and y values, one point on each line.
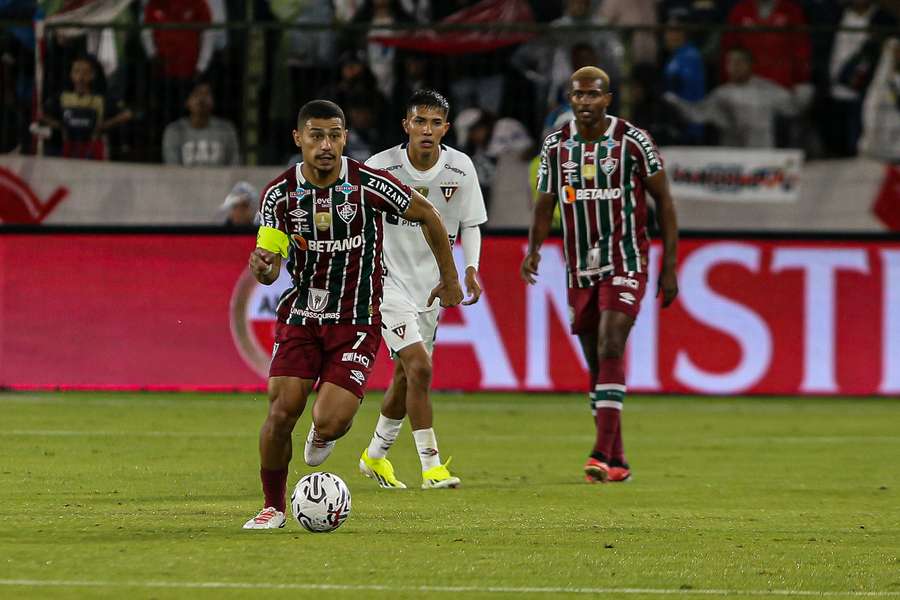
325	216
598	168
447	178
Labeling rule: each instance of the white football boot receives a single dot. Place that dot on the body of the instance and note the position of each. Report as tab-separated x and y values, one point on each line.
316	451
268	518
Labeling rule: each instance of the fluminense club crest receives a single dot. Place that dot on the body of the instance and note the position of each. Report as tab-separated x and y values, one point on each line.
346	211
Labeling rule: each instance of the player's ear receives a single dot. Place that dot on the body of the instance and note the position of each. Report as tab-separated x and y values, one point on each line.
405	125
297	137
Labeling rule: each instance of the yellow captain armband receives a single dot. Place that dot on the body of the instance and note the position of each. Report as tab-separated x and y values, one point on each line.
273	240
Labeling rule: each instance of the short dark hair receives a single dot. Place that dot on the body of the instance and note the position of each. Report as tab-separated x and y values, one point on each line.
745	52
429	99
320	109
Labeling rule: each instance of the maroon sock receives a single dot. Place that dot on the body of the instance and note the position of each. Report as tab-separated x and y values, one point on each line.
607	400
274	483
618	451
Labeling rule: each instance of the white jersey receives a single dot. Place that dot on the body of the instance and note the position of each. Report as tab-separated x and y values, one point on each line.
451	186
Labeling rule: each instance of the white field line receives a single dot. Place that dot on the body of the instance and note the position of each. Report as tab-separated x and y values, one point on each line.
120	433
236	585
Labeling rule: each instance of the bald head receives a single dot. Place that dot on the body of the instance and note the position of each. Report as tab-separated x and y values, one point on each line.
592	74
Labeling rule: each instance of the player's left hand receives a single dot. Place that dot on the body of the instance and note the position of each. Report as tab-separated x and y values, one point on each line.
667	286
473	288
449	293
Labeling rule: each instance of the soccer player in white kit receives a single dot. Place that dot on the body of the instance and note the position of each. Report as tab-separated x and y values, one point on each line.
447	179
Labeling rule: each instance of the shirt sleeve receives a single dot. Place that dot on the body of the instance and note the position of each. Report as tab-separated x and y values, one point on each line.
473	212
546	176
385	192
649	160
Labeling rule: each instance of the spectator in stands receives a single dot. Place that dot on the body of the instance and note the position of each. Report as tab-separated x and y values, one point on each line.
240	205
363	136
684	76
709	14
744	108
82	116
380	15
631	13
881	109
781	57
178	55
200	139
356	79
854	56
549	61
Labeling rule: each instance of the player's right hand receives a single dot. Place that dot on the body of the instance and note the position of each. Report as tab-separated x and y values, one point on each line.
261	262
450	294
529	269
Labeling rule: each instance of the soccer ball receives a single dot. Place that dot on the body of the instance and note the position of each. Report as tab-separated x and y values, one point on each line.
321	502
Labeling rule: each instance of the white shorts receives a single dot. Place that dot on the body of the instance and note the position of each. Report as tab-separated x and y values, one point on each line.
403	324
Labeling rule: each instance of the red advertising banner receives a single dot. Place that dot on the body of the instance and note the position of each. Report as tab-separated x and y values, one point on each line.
180	312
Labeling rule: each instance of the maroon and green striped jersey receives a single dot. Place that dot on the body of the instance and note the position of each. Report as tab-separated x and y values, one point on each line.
599	185
335	241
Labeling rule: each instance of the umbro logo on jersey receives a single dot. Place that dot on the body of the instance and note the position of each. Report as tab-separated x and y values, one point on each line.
346	211
300	193
400	331
346	188
627	298
448	191
298	213
569	165
358	376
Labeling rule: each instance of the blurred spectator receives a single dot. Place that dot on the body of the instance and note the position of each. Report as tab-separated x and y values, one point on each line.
240	205
178	55
782	57
486	139
16	74
416	73
200	139
684	76
83	115
854	56
709	14
583	55
306	55
363	137
549	61
881	109
380	15
355	79
632	13
743	109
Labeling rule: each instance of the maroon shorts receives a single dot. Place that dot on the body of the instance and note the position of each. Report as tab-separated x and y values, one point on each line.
342	354
621	293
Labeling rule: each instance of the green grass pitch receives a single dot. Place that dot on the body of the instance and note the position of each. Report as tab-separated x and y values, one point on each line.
143	496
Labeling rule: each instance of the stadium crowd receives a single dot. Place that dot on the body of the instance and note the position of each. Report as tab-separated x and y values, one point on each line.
822	75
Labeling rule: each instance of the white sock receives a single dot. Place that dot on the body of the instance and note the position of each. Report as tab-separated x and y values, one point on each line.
385	435
426	444
315	451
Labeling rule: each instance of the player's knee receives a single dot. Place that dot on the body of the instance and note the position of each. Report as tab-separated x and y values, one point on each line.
418	372
332	428
281	422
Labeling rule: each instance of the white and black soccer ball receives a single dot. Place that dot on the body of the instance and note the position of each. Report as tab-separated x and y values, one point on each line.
321	502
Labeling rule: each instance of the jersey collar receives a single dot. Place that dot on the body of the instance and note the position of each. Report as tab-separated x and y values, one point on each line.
422	175
573	131
301	180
